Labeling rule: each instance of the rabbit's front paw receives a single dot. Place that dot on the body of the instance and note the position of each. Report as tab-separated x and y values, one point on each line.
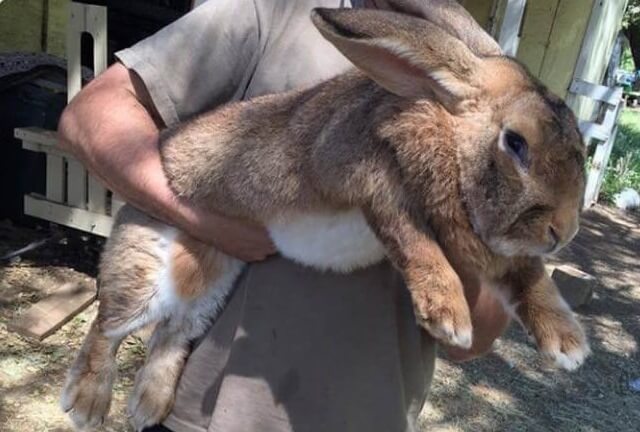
87	396
561	339
151	400
441	308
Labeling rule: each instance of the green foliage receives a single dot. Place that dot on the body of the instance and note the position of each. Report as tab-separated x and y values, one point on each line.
632	14
623	170
626	60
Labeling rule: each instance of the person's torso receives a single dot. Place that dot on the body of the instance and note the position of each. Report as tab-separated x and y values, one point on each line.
294	53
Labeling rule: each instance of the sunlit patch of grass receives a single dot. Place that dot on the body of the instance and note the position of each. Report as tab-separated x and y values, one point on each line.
623	170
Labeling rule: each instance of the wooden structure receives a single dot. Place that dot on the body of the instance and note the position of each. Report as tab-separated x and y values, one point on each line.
600	133
55	310
511	23
33	26
73	197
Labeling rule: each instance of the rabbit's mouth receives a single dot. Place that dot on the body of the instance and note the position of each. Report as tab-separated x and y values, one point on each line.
510	247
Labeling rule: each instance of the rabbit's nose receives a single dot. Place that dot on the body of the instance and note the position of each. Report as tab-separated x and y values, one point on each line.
564	226
563	231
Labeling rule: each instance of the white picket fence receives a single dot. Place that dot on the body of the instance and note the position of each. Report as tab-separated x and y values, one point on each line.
73	197
600	133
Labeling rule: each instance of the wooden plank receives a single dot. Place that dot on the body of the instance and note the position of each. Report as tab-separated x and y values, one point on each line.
596	170
563	47
55	178
42	148
116	204
97	196
609	95
601	159
57	26
21	25
510	30
74	32
52	312
536	31
37	135
602	30
83	220
76	184
592	130
96	25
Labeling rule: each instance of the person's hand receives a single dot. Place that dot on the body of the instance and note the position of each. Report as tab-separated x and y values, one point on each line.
489	320
244	240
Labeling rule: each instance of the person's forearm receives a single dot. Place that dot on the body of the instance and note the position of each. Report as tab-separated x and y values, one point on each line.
108	129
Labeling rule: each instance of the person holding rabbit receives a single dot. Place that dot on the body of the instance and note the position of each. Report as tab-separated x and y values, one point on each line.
295	348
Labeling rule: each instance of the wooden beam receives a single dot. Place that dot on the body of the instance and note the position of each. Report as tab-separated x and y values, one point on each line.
609	95
37	135
84	220
511	24
52	312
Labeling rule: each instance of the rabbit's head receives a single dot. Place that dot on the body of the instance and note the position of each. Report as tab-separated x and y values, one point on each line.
520	155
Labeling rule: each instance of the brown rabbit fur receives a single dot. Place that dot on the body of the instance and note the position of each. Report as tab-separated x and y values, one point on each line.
463	165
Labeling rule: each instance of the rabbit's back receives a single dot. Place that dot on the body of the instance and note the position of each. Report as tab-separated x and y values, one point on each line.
303	150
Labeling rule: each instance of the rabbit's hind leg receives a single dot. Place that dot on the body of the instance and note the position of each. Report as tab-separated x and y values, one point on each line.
131	297
87	393
155	384
190	316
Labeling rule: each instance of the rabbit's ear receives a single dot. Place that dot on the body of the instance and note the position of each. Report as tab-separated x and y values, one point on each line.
408	56
452	17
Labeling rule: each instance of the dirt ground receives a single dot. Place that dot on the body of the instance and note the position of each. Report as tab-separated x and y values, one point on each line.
508	390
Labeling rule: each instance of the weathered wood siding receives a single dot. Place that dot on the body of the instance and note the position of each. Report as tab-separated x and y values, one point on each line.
57	26
552	35
25	26
591	65
561	39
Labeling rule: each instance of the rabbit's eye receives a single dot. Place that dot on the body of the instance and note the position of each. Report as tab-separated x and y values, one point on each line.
537	211
518	146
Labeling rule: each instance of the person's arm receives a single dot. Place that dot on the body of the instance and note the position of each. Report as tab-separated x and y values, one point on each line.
110	127
489	320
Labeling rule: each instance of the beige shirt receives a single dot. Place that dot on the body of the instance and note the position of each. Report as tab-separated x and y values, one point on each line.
295	349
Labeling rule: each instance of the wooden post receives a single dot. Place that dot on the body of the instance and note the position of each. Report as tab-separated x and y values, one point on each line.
603	133
600	161
85	191
509	37
73	198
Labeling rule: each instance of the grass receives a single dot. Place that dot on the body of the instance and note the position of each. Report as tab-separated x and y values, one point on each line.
623	170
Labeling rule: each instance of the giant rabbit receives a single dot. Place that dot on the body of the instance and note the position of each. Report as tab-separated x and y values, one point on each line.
437	152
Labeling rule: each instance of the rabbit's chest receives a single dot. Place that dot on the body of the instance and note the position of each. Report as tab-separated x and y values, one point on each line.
338	241
463	248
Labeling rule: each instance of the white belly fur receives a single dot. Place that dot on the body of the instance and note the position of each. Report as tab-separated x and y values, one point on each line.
338	241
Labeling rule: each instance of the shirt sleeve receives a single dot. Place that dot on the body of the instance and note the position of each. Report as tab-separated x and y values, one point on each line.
204	59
